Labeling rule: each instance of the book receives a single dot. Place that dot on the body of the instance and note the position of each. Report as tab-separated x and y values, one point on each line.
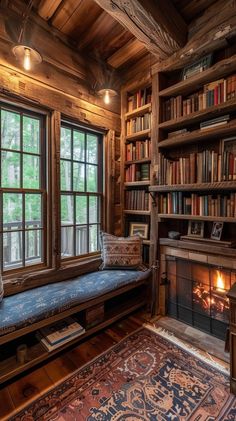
61	330
50	347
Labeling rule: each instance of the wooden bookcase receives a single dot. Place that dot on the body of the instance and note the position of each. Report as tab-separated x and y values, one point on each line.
136	162
194	140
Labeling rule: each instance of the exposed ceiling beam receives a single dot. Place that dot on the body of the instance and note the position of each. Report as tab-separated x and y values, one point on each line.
47	8
131	49
158	26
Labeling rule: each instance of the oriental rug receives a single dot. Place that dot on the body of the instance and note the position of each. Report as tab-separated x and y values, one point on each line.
146	376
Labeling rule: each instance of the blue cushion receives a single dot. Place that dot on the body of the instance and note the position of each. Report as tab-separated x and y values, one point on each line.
27	307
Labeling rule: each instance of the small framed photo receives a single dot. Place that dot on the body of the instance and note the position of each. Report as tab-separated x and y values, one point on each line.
137	228
216	231
196	228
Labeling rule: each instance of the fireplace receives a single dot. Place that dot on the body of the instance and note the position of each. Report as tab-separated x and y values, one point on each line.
197	294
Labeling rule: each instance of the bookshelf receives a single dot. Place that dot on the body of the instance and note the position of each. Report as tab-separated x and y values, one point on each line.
136	169
191	160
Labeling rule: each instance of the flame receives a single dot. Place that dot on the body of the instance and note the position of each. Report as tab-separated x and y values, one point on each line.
220	282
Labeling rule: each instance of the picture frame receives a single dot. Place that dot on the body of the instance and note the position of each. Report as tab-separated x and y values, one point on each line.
197	67
137	228
196	229
216	231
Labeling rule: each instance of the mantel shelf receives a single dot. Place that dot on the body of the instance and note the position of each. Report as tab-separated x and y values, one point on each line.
196	217
139	135
199	135
138	111
222	185
217	71
198	116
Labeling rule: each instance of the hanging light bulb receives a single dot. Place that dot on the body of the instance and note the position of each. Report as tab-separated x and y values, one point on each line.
27	59
107	97
107	94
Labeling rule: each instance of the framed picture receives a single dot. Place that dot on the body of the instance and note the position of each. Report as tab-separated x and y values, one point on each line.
137	228
216	231
196	228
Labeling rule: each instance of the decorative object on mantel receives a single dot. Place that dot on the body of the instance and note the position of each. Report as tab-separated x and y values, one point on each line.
195	228
174	235
216	231
128	379
25	53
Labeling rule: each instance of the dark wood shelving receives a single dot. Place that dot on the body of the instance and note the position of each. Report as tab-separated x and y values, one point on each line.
139	135
200	135
222	185
196	217
138	111
217	71
138	161
137	212
37	353
199	116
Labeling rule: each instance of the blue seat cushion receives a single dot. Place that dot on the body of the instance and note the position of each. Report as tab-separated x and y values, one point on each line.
31	306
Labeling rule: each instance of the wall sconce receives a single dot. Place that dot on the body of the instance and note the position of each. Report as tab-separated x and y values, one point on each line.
107	94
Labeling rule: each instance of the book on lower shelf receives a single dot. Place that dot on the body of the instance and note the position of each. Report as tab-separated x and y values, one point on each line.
59	333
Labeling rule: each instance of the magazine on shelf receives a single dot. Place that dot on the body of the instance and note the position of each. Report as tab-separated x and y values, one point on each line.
58	332
50	347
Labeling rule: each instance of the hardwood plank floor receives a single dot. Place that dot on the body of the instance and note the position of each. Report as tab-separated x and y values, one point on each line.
28	387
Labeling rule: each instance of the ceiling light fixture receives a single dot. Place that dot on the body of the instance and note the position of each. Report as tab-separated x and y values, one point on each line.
107	94
23	52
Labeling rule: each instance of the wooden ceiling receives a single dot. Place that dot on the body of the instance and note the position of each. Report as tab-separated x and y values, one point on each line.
94	31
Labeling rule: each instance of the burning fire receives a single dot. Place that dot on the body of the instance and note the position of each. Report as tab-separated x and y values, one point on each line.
220	285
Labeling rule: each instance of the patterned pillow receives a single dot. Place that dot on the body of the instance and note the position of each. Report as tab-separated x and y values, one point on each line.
121	252
1	289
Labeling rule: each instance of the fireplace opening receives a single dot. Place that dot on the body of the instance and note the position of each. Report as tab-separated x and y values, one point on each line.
197	294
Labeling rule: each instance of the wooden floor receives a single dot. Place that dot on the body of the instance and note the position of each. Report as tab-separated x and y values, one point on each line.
25	389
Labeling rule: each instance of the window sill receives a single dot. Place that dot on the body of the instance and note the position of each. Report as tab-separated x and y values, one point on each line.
22	281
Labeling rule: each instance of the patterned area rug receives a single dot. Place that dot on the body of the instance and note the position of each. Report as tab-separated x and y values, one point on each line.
144	377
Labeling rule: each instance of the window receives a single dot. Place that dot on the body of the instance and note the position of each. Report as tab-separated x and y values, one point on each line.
81	187
22	188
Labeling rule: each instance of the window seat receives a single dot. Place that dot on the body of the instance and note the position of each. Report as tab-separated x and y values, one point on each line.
32	306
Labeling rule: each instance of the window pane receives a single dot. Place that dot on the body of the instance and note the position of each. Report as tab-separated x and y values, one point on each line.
93	238
10	130
67	241
12	249
10	169
65	175
78	177
33	210
81	240
78	146
92	184
12	211
33	249
67	209
81	209
92	149
93	209
31	134
31	172
65	143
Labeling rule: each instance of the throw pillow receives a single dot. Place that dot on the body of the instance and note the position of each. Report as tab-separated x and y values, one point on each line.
121	252
1	288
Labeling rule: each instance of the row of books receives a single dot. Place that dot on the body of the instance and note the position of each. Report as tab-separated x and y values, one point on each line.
213	93
137	124
59	333
138	150
203	167
137	200
198	204
140	98
137	172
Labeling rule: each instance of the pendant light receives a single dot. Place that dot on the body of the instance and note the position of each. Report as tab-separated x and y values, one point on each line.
107	94
24	53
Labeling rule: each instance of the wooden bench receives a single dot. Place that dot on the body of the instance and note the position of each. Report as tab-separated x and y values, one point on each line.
116	293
